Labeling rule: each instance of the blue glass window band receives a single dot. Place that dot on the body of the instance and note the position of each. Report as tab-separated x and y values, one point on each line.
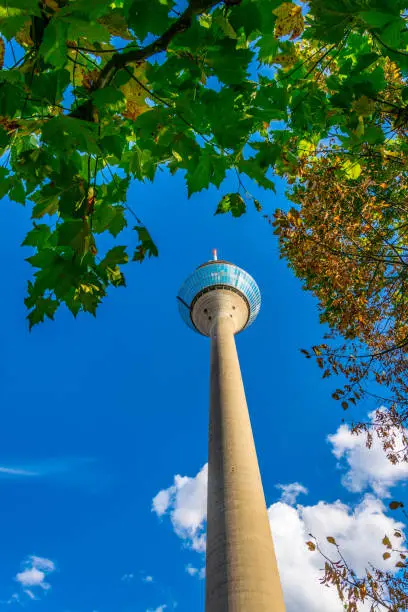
213	274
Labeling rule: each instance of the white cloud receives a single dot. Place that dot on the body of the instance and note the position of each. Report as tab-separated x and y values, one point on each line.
36	569
194	571
30	594
357	529
366	468
127	577
16	472
148	579
159	609
186	503
162	501
291	492
32	577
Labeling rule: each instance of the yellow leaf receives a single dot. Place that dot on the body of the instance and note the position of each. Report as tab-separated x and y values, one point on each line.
352	169
386	555
177	156
387	153
135	93
311	546
386	542
75	69
331	540
305	148
289	20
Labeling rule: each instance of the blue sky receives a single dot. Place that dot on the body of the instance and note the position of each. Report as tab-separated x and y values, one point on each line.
100	415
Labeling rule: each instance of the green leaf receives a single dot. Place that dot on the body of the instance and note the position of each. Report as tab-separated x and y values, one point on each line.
43	259
376	19
53	47
364	61
76	234
108	218
107	96
146	248
116	255
252	168
391	35
46	203
38	236
17	191
249	16
113	144
68	133
87	28
229	72
44	307
200	177
222	21
233	203
49	86
4	187
150	17
268	47
142	164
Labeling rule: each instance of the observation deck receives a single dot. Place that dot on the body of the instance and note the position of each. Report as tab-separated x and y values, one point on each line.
218	288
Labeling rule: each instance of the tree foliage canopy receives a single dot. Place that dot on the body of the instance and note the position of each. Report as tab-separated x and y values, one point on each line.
346	235
100	93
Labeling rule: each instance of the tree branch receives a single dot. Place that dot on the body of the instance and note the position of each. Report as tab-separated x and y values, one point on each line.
120	60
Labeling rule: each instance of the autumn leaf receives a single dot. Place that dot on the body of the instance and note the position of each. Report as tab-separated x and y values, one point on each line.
289	20
311	546
331	540
135	93
394	505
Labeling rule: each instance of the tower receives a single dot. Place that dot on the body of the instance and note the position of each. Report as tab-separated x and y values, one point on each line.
220	300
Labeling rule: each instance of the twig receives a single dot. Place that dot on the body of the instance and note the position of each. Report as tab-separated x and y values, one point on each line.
119	61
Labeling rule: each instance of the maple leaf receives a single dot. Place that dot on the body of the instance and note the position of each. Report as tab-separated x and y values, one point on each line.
289	20
135	93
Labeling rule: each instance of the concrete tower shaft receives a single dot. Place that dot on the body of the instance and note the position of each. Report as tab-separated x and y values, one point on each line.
241	568
219	300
